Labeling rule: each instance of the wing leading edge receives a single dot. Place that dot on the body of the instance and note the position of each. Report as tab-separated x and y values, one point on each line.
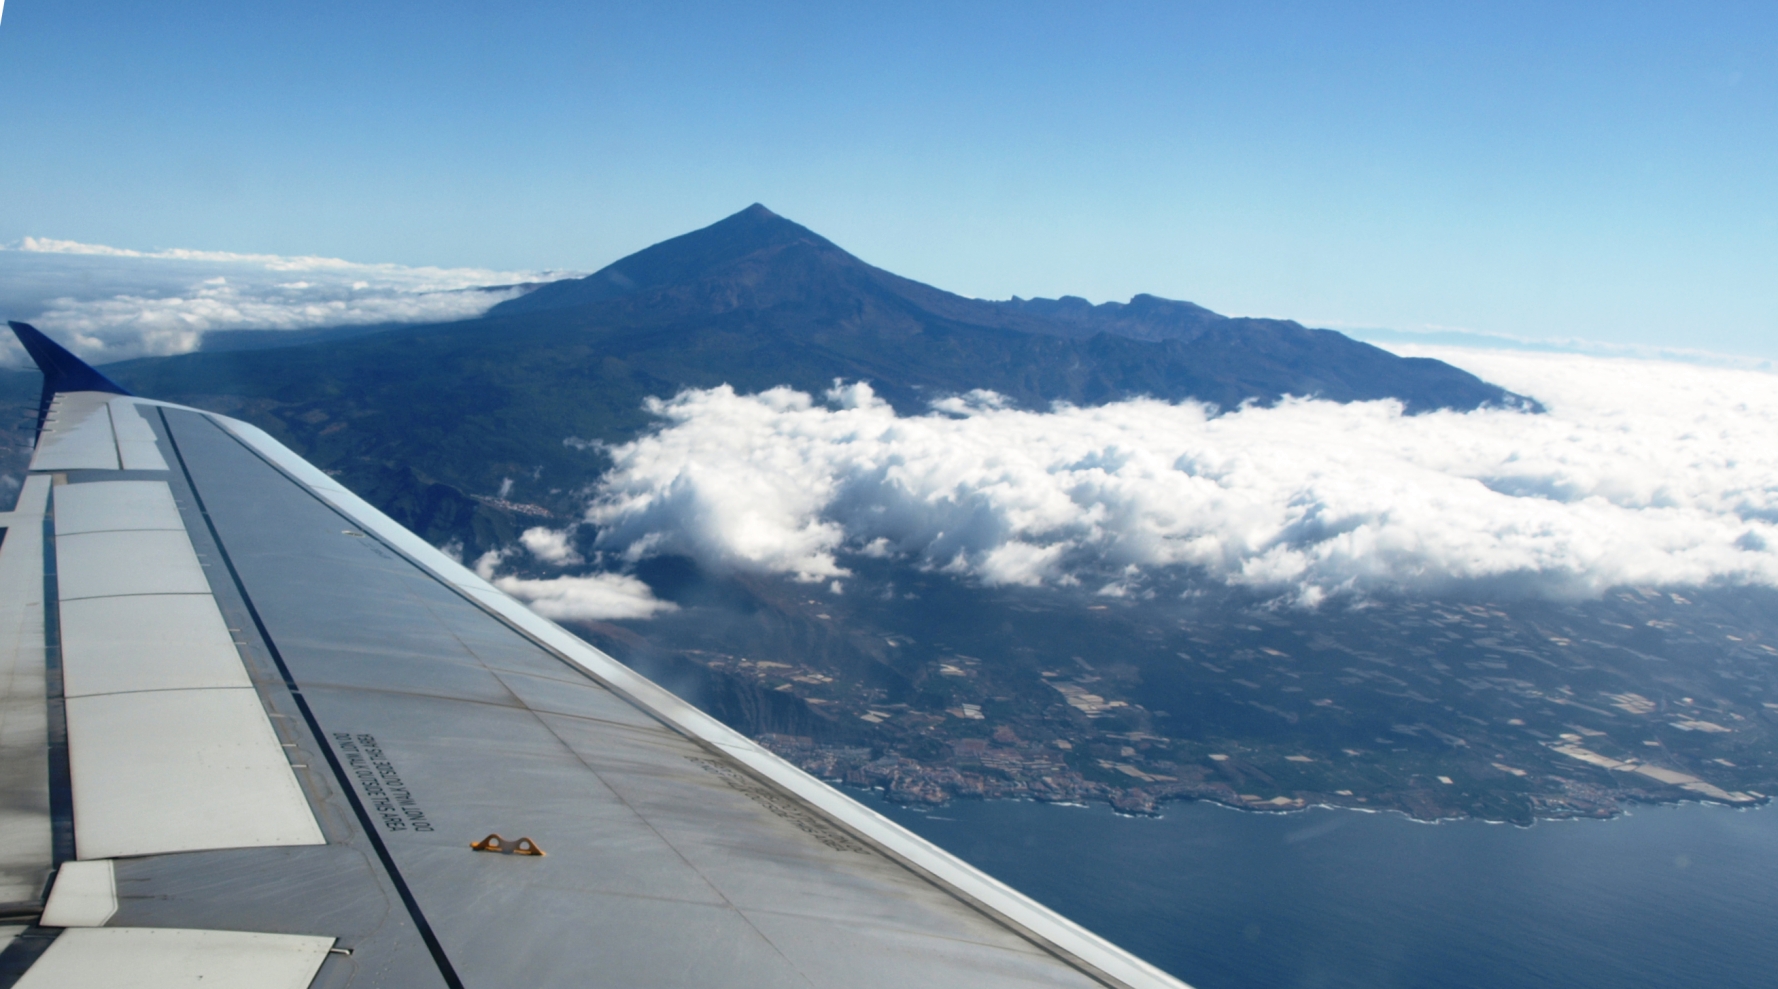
252	721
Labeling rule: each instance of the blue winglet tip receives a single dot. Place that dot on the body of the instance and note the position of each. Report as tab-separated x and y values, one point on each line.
62	371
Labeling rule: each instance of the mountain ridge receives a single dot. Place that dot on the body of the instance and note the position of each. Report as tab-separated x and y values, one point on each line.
756	283
758	261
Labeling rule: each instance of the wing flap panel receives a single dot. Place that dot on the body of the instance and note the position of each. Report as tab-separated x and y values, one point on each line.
136	445
181	770
107	564
161	958
104	506
77	434
26	855
85	895
116	645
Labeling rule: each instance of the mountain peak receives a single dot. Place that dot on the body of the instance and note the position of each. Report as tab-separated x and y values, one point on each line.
673	261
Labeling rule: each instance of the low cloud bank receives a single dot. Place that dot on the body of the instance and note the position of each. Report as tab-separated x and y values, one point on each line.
598	597
109	303
594	597
1640	473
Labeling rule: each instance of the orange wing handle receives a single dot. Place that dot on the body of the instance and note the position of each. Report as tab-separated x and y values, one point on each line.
498	845
492	843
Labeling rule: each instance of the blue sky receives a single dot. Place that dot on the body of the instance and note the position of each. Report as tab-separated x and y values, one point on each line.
1603	172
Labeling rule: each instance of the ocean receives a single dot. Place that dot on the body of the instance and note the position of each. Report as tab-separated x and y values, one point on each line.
1660	897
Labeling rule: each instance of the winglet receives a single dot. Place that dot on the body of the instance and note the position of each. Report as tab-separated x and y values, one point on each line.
62	371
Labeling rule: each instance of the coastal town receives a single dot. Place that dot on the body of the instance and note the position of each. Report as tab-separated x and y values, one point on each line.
1011	770
1434	710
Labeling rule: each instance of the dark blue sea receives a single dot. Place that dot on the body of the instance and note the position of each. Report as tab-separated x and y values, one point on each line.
1663	897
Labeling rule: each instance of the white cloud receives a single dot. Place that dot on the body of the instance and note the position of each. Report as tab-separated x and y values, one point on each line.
594	597
1641	473
109	303
741	480
597	597
1459	339
549	545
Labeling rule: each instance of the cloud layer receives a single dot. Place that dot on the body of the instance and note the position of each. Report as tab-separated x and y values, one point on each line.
110	303
592	597
1641	473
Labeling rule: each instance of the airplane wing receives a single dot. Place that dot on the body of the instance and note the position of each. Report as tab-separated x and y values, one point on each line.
254	733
